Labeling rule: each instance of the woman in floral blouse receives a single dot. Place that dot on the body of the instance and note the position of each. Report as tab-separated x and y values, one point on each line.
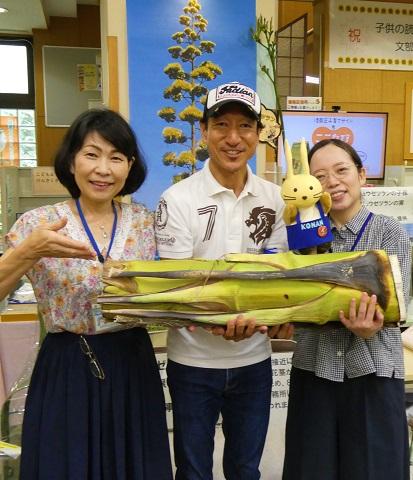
95	408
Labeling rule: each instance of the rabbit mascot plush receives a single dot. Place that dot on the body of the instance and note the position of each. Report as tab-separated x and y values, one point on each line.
307	206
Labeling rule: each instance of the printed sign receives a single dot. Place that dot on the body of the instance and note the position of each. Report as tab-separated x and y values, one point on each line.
395	202
304	103
45	182
368	35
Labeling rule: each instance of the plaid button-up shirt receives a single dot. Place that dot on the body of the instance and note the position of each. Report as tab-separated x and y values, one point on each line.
336	353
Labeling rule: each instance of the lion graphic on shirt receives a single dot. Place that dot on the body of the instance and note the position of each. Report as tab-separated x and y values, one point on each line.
261	222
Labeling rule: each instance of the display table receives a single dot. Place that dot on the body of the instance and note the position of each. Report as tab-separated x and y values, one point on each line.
19	333
19	313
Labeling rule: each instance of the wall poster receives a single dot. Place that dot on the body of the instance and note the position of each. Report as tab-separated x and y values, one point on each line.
176	52
371	35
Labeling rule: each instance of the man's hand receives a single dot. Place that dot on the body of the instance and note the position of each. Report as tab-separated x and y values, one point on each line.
238	329
284	331
365	322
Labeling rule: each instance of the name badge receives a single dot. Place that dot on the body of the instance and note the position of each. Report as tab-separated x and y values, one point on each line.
100	323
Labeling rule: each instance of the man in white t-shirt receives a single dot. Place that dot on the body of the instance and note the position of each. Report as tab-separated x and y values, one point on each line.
224	208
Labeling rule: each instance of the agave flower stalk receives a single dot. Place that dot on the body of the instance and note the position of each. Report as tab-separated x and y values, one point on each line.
273	289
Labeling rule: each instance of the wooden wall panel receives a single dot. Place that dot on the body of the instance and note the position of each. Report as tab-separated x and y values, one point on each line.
352	86
289	10
83	31
367	90
113	73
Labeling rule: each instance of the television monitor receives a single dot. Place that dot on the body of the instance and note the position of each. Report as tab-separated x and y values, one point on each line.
364	131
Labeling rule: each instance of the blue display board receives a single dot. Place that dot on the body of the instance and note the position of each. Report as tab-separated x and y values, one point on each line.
150	29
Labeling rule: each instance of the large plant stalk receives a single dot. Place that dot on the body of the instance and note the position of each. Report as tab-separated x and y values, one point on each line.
271	288
365	273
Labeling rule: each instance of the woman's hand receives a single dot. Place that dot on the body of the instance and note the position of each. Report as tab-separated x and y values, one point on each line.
365	322
46	241
284	331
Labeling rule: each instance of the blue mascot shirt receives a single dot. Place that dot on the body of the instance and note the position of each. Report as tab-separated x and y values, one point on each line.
309	234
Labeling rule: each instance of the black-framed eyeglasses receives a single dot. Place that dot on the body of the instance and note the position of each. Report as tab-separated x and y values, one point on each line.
94	364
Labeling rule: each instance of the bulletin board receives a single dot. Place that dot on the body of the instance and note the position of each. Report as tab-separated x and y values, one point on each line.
71	80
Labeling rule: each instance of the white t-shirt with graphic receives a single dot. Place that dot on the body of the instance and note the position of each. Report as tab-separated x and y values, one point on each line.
199	218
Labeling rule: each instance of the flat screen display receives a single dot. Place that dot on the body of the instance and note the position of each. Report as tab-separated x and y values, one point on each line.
364	131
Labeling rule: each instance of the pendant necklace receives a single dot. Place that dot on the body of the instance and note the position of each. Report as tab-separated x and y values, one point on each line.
101	258
104	232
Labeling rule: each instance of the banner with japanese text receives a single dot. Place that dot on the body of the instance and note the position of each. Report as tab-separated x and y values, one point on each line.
369	35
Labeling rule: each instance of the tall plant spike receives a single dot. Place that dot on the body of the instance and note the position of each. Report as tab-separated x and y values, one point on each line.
273	289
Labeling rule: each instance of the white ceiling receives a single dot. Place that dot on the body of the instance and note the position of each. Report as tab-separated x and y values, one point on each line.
24	15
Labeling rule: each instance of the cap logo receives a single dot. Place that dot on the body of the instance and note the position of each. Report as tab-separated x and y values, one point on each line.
236	92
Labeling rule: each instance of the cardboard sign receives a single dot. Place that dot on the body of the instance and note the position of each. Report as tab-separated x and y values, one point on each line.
45	183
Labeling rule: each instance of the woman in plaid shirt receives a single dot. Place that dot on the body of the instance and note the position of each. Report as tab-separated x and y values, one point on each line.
346	416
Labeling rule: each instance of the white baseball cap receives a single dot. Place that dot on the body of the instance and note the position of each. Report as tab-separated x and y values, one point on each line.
230	93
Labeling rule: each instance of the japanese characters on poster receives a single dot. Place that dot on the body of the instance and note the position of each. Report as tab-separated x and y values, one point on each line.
369	35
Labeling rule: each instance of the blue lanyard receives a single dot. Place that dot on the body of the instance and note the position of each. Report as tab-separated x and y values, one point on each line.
363	227
89	233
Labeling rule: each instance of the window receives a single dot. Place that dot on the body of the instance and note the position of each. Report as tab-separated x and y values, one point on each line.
291	47
17	138
17	118
16	80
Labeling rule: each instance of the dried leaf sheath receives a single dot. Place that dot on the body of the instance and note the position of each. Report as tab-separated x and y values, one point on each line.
271	288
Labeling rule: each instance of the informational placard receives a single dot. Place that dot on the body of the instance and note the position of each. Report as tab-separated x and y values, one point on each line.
161	359
45	182
371	35
304	103
273	456
395	202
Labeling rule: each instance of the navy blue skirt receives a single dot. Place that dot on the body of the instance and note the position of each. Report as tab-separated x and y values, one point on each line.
78	427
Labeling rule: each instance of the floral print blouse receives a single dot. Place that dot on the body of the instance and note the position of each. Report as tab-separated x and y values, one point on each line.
65	287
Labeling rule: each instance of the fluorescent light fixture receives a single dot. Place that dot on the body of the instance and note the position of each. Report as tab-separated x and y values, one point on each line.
3	10
310	79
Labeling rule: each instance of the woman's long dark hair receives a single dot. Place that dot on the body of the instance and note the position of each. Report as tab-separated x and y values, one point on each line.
114	129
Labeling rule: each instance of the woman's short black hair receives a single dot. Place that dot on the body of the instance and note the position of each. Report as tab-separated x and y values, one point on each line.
114	129
340	144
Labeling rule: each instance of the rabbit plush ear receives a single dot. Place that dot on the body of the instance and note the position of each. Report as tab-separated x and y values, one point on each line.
288	159
304	157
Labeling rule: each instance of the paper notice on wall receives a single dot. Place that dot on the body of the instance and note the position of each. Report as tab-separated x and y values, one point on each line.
88	75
